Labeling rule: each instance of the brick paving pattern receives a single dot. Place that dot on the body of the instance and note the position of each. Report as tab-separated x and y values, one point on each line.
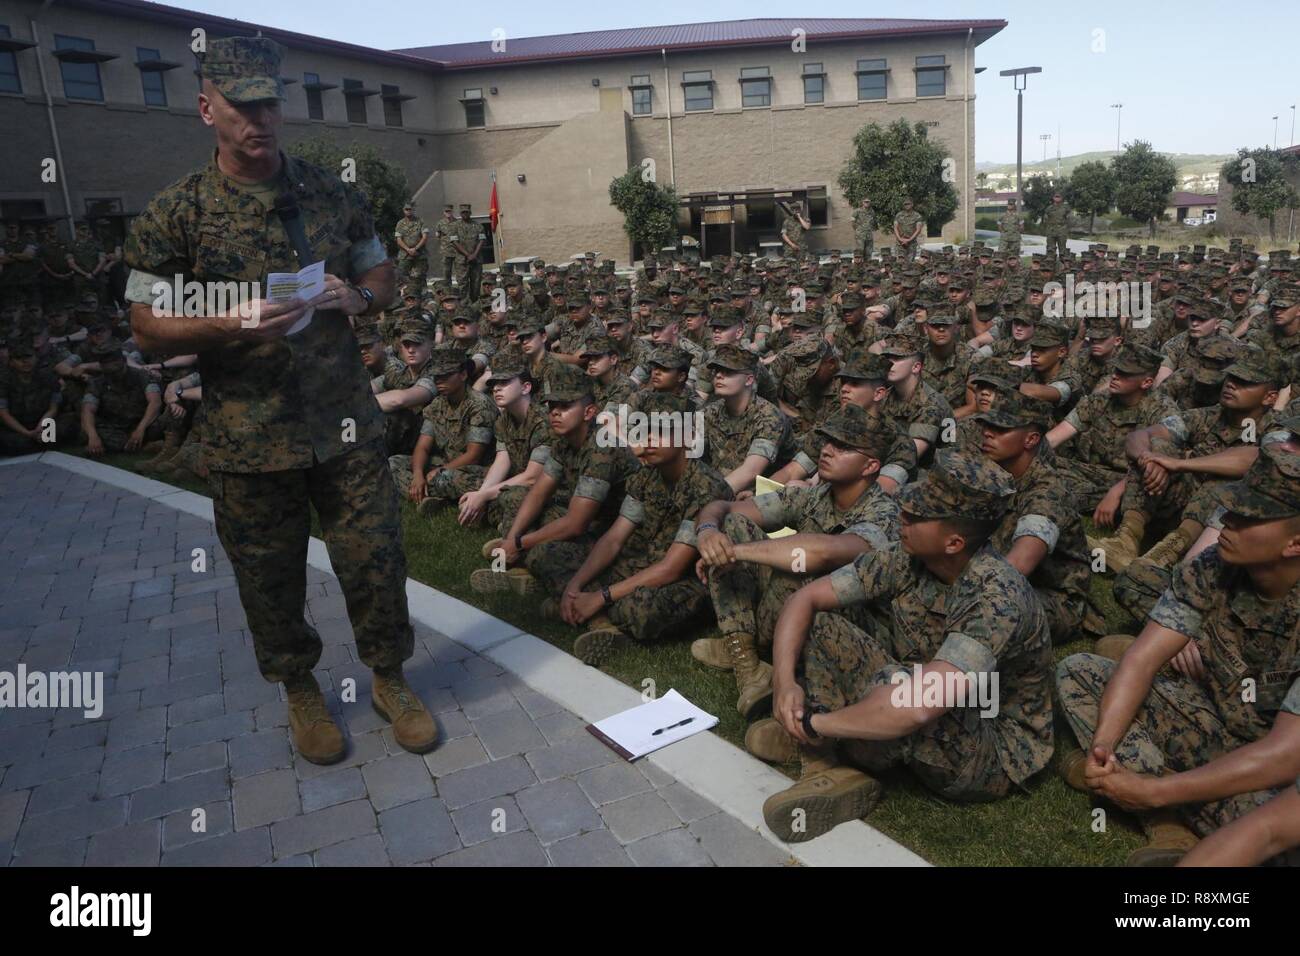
191	762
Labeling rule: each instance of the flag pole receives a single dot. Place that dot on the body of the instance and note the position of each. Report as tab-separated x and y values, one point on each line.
497	243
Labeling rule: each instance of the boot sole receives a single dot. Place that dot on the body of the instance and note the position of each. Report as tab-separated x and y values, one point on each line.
322	760
1155	857
823	812
595	647
422	749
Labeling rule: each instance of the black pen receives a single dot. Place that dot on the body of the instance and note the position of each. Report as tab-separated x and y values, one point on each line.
680	723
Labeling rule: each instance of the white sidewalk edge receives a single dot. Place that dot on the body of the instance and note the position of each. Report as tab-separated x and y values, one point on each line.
719	771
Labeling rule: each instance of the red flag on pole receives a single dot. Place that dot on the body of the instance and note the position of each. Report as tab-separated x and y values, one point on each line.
494	211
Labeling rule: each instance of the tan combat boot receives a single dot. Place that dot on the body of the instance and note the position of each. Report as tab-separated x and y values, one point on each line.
314	731
825	796
599	642
518	580
171	445
1168	840
413	726
429	507
753	676
1071	769
1169	550
767	740
1123	547
1113	646
489	549
712	652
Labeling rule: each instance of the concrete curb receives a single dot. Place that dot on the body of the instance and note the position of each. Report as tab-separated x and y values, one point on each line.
720	772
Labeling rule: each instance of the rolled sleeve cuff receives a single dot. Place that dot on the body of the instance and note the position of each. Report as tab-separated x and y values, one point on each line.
871	533
1038	526
685	534
897	472
966	654
848	586
597	489
364	256
139	286
807	464
1291	702
632	509
770	508
1174	614
426	429
1073	421
541	453
764	448
479	435
1177	429
924	431
1064	389
552	467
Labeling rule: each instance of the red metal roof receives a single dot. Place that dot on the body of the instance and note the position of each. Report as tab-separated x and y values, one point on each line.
686	36
1192	199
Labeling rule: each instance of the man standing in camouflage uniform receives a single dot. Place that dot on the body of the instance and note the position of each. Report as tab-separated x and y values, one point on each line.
291	422
794	230
87	261
908	226
1208	749
468	241
1010	228
864	229
1056	227
412	247
959	614
750	576
446	232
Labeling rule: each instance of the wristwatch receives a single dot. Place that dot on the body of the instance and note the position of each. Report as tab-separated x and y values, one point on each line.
365	294
807	720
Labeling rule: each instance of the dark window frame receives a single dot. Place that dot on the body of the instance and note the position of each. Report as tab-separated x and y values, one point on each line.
475	106
870	73
75	74
693	81
815	74
315	102
11	81
151	77
761	80
355	105
931	72
392	105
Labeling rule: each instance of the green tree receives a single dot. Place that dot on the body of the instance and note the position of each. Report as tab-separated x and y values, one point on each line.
1259	184
383	182
1143	181
649	209
1039	189
890	164
1091	190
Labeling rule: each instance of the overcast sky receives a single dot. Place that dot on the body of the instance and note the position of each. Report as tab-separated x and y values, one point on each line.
1194	76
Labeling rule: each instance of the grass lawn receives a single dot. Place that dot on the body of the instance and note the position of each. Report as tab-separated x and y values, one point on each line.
1048	825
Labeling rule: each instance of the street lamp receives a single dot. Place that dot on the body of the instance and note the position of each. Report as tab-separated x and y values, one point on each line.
1275	134
1044	137
1292	124
1119	113
1020	77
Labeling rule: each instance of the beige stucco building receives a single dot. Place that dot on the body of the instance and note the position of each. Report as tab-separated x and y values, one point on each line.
104	93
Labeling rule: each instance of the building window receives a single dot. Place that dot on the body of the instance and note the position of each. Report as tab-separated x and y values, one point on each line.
80	80
819	207
356	104
392	105
814	83
10	82
315	106
641	93
155	91
873	79
931	76
755	86
14	210
697	89
475	114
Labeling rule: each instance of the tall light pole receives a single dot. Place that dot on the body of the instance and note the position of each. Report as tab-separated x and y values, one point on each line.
1275	134
1044	137
1020	77
1292	124
1119	113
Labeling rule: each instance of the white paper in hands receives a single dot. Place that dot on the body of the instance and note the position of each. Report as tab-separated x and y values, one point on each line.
307	283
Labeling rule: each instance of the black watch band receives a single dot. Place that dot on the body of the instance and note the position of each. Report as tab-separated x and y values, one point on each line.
519	543
807	722
604	593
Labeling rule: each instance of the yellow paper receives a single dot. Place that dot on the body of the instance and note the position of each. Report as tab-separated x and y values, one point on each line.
763	486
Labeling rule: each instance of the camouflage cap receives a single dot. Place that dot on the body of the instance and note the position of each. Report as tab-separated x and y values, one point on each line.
1138	360
367	334
510	362
985	297
1000	374
808	319
665	402
724	317
960	485
467	316
448	358
1101	327
864	366
111	347
1048	336
670	357
859	429
1254	366
852	300
20	347
1271	489
1011	409
942	319
902	345
526	325
566	383
660	319
415	330
244	69
598	345
733	358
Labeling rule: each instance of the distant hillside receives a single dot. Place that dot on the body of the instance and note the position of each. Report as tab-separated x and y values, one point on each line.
1188	164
